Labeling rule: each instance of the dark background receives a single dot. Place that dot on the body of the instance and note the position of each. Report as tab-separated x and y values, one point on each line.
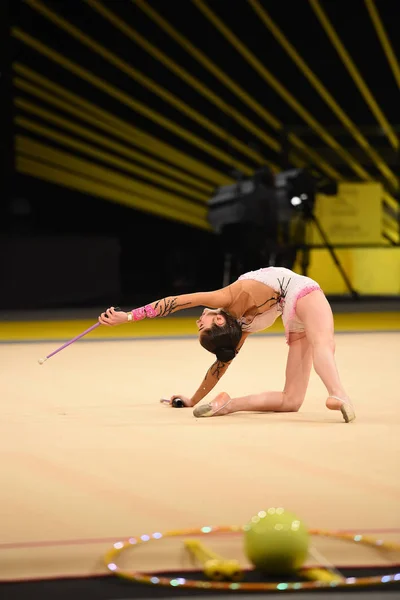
62	247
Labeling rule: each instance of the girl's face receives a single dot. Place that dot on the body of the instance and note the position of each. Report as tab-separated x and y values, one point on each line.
208	318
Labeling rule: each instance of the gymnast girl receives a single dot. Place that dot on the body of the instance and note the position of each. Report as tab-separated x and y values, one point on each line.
251	304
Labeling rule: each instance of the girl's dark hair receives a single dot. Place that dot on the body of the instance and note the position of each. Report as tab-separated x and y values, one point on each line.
222	340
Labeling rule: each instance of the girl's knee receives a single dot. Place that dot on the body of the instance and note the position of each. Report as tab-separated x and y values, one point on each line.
323	340
292	401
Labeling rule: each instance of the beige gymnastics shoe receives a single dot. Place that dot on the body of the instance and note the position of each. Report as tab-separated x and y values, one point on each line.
344	406
218	405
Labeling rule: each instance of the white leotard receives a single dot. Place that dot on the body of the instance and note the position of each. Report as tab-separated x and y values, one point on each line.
289	286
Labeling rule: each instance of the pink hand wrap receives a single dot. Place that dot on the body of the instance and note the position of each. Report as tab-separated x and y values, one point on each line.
150	312
138	314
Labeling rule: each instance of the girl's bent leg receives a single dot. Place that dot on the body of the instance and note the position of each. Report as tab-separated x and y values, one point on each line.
298	370
316	314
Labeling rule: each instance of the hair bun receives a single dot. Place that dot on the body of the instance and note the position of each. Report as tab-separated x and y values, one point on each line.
225	354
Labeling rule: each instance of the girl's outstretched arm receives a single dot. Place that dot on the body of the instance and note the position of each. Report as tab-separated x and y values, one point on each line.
166	306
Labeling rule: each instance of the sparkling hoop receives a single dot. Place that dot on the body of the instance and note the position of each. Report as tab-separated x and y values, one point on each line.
140	577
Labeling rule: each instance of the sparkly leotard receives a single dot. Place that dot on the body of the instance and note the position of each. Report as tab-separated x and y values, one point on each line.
289	287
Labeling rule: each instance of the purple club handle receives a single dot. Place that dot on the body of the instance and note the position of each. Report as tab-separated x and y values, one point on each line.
74	340
43	360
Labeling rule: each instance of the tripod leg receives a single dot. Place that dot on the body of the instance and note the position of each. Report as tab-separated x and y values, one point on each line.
300	240
335	258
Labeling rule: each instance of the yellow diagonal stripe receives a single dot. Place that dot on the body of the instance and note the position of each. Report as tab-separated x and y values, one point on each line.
102	189
146	82
125	98
280	89
89	169
94	151
324	93
68	102
190	79
211	66
384	39
354	72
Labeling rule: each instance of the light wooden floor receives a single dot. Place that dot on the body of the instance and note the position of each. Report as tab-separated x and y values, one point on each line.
89	456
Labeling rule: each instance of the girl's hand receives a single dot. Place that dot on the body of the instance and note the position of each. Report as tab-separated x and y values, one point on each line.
112	317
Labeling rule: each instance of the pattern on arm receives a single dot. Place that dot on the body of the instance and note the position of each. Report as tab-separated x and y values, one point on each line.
166	306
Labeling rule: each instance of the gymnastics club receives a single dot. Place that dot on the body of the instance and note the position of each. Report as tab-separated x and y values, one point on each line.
215	567
78	337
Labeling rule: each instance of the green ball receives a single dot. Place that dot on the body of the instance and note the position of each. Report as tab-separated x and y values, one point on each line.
276	541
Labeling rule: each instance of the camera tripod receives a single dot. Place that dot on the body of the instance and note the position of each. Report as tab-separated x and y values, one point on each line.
308	216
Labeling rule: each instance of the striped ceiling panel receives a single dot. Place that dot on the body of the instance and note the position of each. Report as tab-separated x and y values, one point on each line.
154	103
